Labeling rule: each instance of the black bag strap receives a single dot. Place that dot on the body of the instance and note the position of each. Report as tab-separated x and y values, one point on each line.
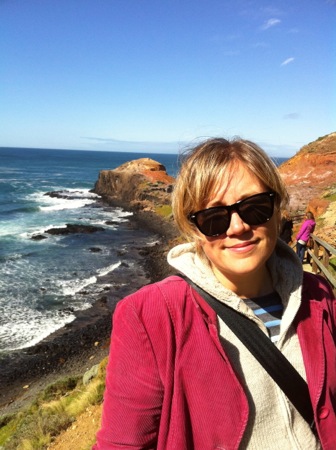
268	355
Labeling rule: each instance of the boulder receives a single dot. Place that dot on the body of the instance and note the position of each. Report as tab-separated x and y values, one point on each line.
90	374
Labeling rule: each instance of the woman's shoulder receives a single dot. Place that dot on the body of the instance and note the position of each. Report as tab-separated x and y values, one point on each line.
168	285
316	287
163	294
161	308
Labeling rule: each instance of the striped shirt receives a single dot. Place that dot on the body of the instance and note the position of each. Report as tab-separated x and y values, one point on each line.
269	309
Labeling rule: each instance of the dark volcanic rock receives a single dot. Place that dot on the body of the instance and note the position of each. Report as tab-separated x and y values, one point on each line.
65	194
38	237
74	228
58	194
112	222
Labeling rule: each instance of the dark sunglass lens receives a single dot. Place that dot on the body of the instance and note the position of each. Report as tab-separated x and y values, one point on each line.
213	222
256	210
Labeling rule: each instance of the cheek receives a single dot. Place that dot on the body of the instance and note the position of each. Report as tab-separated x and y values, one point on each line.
210	246
207	240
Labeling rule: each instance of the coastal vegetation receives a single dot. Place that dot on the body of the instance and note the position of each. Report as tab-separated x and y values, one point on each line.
55	409
164	210
332	265
330	195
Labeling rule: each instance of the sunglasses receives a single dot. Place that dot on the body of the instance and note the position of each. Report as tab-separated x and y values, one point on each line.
254	210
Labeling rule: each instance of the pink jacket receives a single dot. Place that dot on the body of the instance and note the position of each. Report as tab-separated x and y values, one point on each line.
307	227
168	373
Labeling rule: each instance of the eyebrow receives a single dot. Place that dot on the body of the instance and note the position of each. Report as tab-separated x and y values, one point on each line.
243	197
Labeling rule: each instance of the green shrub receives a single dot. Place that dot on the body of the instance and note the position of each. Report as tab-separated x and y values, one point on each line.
164	210
332	264
56	390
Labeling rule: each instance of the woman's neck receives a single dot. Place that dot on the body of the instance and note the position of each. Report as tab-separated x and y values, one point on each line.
247	285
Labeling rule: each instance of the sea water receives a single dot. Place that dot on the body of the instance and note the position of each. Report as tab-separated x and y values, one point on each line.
41	281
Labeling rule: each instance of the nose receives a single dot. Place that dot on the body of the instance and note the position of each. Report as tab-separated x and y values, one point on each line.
237	225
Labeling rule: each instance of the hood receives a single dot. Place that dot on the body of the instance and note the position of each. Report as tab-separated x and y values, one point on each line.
284	266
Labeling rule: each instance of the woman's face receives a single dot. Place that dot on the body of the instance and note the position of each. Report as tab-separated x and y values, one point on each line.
241	253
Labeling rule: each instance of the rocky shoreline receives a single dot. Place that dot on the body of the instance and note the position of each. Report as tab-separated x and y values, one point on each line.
84	342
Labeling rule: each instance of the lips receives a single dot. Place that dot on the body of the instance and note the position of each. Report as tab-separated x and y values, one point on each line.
242	247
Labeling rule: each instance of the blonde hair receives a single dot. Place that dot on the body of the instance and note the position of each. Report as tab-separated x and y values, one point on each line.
205	164
285	214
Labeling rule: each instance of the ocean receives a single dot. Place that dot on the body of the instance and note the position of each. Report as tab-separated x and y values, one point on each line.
42	281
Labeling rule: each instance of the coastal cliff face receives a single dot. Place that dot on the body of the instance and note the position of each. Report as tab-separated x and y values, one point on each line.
142	184
310	177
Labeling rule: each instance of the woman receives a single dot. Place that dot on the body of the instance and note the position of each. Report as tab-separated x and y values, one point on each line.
178	377
302	238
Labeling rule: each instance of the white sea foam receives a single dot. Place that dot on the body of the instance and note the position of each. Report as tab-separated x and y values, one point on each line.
7	230
61	204
73	286
29	234
152	243
106	270
103	222
82	193
122	213
30	327
73	199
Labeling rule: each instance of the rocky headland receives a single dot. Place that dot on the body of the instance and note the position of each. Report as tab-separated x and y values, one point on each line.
142	184
144	187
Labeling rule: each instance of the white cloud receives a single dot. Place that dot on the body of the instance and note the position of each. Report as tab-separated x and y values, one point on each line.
270	23
291	116
287	61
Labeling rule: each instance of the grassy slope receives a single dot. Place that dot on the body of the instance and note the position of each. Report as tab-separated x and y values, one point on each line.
55	409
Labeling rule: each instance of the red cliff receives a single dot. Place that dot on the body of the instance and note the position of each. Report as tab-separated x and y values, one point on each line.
310	176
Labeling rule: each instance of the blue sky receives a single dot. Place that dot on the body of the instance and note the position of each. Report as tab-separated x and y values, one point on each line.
154	75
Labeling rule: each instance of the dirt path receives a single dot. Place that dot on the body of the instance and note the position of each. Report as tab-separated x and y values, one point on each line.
81	434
